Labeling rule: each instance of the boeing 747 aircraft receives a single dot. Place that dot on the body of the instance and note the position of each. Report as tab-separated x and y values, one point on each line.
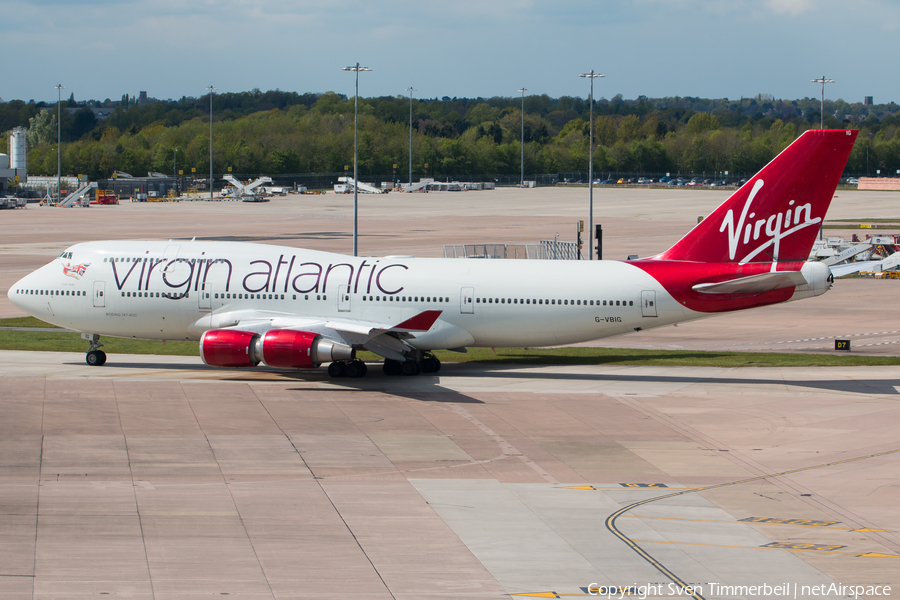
297	309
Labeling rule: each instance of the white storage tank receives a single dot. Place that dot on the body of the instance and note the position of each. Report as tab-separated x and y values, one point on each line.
18	149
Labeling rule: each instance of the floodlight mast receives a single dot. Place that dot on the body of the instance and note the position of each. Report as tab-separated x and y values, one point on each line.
410	90
356	69
59	89
592	76
210	89
823	81
523	90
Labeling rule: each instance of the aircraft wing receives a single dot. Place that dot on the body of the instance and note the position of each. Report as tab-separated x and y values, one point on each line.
385	339
754	284
421	322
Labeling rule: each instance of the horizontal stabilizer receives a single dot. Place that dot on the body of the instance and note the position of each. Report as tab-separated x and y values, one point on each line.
755	284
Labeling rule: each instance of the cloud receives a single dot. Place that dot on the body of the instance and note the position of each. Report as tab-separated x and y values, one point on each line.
789	7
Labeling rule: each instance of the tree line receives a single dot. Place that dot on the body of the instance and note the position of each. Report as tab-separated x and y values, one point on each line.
276	133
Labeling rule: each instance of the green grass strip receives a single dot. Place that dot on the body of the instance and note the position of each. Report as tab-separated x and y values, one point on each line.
64	341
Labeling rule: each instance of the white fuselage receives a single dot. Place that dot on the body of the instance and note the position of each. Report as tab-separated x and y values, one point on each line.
178	290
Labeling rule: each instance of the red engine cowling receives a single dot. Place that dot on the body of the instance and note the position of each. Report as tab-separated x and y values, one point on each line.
229	348
290	349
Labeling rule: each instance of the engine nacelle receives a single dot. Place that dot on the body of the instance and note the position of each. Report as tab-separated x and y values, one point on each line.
280	348
290	349
229	348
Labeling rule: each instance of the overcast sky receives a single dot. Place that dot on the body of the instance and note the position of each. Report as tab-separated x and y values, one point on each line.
101	49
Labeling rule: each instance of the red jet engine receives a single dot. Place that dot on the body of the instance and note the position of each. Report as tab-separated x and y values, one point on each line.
280	348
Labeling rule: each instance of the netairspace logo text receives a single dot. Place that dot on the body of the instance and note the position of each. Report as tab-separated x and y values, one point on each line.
795	590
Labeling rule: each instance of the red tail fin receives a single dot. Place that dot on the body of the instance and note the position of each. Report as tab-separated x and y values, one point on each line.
775	216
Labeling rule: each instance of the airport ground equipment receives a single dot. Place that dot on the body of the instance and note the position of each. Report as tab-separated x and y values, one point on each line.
78	195
105	197
876	253
12	203
418	187
348	184
248	191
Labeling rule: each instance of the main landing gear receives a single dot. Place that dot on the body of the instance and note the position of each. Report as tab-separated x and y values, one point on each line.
351	368
95	357
427	364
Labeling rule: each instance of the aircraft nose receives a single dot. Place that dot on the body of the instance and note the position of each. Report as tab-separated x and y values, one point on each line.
18	294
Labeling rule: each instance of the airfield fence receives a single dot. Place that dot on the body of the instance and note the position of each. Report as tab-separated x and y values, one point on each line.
545	250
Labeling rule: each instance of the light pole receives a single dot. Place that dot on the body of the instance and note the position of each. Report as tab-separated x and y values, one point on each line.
59	89
356	69
410	90
823	81
592	76
175	165
522	182
211	89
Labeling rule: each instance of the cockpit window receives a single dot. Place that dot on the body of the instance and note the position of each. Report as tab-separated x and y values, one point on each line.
65	254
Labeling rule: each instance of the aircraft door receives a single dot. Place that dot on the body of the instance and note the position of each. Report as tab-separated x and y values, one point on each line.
648	303
343	298
467	300
204	298
99	294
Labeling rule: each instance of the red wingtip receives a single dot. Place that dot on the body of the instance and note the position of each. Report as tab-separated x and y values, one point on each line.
421	322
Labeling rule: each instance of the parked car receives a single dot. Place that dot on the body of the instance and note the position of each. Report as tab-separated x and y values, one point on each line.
607	182
622	180
665	179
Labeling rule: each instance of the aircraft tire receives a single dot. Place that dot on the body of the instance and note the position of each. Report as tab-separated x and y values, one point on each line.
102	357
410	368
95	358
357	368
391	367
337	369
431	365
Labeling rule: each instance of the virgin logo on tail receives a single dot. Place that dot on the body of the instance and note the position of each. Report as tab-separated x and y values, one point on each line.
772	229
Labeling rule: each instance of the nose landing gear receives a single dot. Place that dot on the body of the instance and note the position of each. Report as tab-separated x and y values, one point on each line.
95	357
